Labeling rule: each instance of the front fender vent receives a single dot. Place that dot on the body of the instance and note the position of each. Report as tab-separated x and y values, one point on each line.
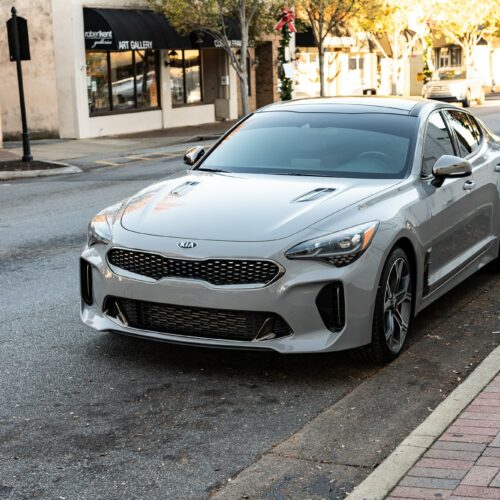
331	306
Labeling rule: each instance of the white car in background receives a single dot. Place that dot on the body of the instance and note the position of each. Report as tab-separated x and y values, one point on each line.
454	84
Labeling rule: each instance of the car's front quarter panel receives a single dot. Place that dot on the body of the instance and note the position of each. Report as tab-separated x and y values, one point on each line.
292	296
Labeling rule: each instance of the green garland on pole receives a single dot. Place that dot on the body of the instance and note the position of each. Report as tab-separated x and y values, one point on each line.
286	27
286	83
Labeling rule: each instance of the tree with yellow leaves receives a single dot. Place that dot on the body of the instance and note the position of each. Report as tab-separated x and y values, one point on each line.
466	22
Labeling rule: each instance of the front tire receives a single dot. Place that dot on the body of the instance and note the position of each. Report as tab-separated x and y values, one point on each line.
393	310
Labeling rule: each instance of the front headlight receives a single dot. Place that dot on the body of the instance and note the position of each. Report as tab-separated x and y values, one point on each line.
340	248
100	227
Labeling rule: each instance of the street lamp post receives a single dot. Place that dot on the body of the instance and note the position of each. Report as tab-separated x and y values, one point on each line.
17	57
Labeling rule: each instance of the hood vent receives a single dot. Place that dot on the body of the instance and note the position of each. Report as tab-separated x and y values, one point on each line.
183	188
314	195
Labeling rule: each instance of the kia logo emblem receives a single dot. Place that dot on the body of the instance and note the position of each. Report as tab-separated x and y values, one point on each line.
187	244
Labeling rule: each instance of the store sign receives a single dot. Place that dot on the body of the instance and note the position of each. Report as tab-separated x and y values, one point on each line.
135	45
232	43
99	38
104	39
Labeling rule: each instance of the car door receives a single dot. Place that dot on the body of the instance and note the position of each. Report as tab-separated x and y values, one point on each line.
452	208
473	146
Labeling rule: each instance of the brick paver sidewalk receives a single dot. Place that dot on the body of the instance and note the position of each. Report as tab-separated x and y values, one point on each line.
464	463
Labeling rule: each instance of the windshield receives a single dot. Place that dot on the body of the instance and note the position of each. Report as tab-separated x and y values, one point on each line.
452	74
363	145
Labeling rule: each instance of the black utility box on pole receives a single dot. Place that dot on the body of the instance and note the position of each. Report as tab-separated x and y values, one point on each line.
19	48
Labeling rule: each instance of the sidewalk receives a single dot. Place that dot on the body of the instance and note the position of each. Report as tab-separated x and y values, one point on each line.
110	146
465	460
454	454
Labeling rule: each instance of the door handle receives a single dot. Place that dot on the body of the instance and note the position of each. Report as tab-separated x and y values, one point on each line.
469	185
497	168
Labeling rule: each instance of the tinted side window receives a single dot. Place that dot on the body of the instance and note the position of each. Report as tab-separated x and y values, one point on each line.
476	129
466	135
437	143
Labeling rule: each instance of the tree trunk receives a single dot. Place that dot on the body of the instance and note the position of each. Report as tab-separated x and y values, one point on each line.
468	50
245	107
321	59
243	74
394	78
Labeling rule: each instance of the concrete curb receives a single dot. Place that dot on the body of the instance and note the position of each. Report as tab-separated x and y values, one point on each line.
65	168
388	474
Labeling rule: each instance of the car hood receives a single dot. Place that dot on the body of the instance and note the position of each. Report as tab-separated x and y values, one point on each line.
241	207
438	83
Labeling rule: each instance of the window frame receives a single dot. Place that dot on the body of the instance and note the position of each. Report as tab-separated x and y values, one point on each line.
451	133
135	109
184	96
455	139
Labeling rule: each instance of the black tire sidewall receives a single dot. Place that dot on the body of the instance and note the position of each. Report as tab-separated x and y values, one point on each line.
378	331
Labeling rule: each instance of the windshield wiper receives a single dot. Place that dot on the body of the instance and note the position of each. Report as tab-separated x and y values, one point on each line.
212	170
298	174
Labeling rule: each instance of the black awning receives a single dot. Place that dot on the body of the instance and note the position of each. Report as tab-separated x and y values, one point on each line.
205	40
120	29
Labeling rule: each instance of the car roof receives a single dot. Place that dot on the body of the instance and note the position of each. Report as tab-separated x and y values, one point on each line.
357	104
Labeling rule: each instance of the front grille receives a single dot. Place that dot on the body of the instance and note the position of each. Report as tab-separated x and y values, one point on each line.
331	306
214	271
197	322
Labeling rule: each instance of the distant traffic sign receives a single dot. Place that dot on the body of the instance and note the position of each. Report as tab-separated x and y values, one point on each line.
22	36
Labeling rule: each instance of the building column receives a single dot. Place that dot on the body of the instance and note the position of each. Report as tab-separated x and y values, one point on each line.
1	134
70	65
165	91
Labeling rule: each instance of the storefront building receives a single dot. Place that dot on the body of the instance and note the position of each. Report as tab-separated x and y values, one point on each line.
117	67
350	65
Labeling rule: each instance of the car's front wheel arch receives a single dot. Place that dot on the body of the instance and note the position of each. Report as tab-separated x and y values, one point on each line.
395	292
407	246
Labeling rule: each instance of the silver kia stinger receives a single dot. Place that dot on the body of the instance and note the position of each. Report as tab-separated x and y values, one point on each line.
312	225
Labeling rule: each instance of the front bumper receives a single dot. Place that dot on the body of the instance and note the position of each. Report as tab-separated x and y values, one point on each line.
292	297
444	97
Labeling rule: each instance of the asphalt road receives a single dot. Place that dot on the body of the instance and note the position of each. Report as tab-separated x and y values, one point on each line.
89	415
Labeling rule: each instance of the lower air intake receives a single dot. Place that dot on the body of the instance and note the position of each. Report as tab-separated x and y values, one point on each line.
197	322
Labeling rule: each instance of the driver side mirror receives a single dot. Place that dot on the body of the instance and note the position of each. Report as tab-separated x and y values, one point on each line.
193	155
450	167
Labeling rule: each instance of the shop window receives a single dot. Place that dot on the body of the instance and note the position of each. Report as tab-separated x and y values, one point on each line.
448	56
122	81
98	82
456	56
147	89
356	63
185	77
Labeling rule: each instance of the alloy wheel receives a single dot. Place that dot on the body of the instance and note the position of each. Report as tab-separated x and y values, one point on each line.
397	304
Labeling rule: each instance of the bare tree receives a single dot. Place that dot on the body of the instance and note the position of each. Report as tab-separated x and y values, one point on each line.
405	23
325	18
231	23
466	22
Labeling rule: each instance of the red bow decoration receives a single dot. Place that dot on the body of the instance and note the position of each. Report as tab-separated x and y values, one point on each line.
287	18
